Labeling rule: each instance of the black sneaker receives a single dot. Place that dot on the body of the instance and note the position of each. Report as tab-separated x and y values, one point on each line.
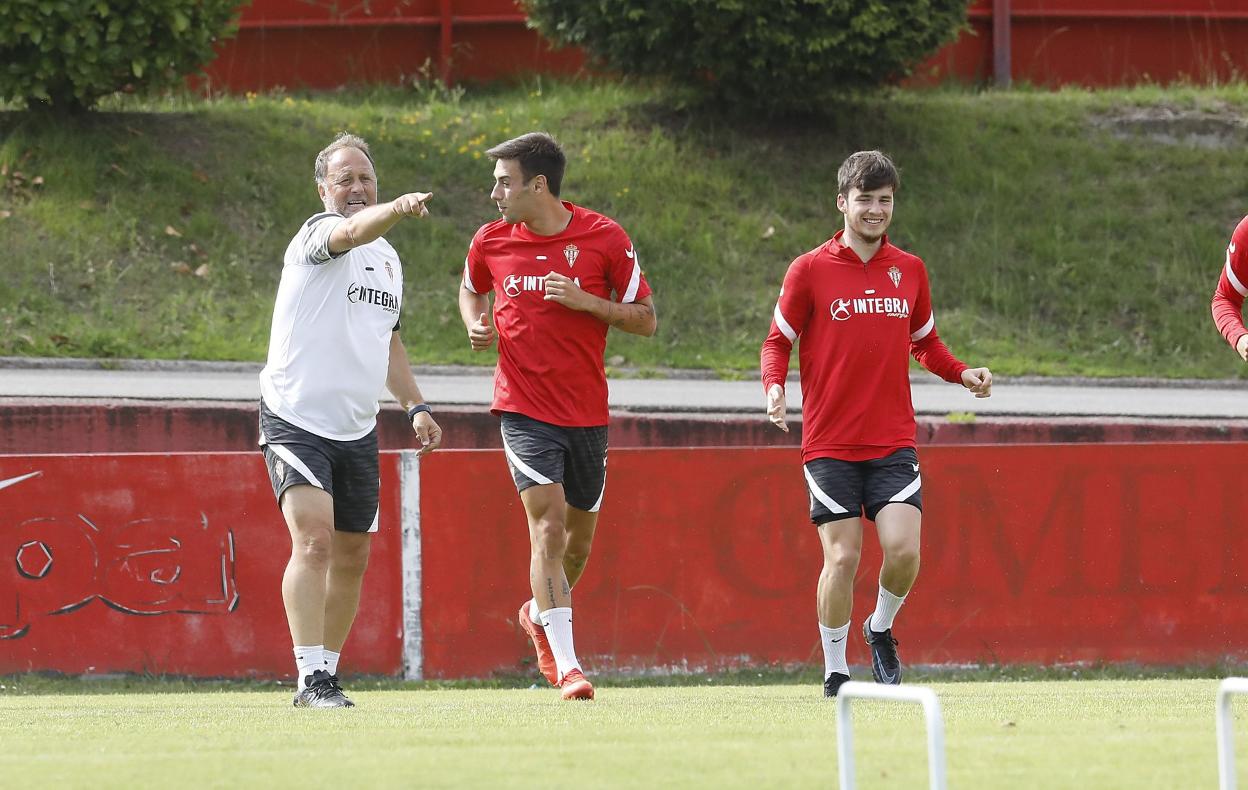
832	683
885	666
321	690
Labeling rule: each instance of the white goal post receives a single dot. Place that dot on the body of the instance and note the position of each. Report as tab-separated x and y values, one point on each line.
1226	730
919	694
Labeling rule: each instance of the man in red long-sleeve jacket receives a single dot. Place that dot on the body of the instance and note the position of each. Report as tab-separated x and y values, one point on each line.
1228	299
860	306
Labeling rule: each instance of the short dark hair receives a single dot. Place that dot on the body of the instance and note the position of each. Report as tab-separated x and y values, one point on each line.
538	154
867	171
344	140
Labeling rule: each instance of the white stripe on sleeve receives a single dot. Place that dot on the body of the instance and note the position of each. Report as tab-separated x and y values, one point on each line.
634	282
783	325
1230	275
468	277
924	330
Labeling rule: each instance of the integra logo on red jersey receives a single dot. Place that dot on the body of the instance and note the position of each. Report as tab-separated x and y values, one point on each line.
889	306
515	284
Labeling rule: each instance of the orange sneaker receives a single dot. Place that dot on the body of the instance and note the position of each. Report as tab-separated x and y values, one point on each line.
575	686
545	656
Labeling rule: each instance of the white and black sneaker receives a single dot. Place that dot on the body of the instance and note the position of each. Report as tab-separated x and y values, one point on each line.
321	690
885	666
833	682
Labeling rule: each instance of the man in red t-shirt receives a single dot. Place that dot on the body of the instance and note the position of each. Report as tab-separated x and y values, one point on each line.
860	306
1228	299
561	276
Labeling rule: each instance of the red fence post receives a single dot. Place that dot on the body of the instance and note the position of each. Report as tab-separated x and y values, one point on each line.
446	41
1001	42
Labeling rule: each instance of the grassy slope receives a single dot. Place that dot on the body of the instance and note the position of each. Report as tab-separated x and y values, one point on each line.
1108	734
1055	246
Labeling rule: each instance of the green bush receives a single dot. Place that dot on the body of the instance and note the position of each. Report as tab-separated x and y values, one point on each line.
66	54
777	54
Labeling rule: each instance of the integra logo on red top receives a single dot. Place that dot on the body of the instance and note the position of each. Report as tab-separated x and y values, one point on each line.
889	306
515	284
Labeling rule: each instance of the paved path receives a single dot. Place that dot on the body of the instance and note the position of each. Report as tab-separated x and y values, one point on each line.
470	386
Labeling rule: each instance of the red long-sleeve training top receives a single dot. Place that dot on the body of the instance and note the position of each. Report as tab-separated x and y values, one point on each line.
1228	299
858	324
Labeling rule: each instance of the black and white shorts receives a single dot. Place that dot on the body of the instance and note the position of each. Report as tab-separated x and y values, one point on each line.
347	471
540	454
844	489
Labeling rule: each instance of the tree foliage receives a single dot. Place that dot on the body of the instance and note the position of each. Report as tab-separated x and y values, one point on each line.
779	54
66	54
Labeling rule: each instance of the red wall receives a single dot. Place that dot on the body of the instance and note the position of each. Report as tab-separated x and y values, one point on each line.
166	564
1054	42
706	557
45	425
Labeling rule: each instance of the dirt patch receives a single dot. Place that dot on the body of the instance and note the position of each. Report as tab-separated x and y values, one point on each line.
1214	127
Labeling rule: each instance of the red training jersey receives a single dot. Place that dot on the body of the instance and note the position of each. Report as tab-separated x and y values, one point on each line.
549	356
858	323
1228	299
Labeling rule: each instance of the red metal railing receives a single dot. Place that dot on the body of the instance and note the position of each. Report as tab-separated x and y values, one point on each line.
1052	42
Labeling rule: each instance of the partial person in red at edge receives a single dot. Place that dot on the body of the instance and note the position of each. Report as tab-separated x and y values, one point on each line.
861	307
562	275
1228	299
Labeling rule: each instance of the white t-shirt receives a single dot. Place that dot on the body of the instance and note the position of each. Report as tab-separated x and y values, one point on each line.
329	349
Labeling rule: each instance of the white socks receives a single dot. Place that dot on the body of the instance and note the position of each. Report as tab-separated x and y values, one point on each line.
535	614
886	606
308	659
557	623
834	649
331	661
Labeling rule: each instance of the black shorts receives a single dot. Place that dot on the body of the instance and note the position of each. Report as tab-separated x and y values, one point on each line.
540	453
844	489
347	471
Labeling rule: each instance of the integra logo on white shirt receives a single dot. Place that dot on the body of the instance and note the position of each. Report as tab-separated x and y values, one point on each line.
362	294
889	306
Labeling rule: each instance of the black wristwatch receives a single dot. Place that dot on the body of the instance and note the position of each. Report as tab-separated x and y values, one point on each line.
417	409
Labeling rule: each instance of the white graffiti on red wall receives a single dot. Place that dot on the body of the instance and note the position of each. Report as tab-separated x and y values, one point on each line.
149	566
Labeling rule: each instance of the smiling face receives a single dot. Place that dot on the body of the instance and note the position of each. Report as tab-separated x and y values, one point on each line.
867	214
350	183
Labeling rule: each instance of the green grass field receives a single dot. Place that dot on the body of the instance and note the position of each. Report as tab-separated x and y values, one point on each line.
1074	232
1150	733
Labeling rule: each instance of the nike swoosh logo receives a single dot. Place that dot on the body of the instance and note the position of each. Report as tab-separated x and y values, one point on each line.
842	639
916	467
631	252
12	481
1231	249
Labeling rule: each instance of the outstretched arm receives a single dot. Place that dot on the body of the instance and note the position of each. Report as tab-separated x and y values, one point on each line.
371	223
